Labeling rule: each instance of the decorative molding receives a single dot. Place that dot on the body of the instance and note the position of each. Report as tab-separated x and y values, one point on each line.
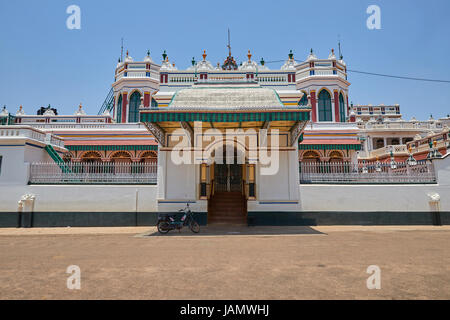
157	131
189	131
296	131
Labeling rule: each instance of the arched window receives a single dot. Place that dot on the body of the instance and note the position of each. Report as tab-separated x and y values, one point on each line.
341	108
135	102
325	113
335	156
91	157
311	157
119	110
304	100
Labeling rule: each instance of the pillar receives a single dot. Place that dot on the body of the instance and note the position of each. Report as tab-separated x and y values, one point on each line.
313	105
336	107
146	99
161	194
124	107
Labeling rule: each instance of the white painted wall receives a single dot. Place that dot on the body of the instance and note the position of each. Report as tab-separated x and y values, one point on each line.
89	198
378	197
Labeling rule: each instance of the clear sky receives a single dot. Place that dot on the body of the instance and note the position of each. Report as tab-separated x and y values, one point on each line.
43	62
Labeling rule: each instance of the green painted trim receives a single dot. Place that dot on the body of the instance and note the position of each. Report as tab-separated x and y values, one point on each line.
162	116
111	148
356	147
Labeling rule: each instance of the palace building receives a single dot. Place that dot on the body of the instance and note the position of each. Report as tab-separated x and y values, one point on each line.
235	140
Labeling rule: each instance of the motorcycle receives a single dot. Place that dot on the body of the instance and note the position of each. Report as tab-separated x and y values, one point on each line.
167	223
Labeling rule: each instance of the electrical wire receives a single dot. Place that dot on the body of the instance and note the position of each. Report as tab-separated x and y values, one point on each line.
382	75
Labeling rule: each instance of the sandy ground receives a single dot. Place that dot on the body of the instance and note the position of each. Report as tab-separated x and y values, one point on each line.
224	263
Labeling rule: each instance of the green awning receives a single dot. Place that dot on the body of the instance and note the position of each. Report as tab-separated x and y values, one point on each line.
224	117
111	148
356	147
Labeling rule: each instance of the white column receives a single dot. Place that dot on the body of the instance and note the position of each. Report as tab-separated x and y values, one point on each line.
294	175
162	155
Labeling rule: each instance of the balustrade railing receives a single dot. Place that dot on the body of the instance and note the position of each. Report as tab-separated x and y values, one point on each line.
367	173
93	173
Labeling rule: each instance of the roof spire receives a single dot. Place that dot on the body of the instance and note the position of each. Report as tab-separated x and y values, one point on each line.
204	55
249	55
229	43
291	55
121	52
164	55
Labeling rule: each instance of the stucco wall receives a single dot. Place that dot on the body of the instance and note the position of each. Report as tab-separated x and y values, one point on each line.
92	198
404	198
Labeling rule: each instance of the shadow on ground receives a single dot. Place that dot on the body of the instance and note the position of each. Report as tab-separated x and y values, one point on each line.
237	231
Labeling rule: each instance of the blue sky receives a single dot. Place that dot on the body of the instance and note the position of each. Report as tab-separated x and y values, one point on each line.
42	62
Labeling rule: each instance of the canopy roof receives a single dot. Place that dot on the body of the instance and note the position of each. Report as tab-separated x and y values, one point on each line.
230	98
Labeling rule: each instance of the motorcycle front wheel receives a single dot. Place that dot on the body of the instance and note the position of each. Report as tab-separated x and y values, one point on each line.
163	227
194	226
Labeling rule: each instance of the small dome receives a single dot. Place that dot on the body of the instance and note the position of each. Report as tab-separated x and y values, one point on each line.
80	111
4	112
204	65
148	58
311	56
290	63
49	112
332	56
167	66
20	112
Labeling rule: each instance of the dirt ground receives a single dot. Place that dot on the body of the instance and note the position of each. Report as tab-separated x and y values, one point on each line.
223	263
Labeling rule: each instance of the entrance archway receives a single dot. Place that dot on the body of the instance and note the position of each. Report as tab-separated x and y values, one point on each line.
228	202
228	169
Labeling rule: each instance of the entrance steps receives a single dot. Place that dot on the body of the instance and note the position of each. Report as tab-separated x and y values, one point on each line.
227	208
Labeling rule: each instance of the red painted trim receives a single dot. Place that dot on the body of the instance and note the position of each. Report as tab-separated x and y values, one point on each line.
124	108
336	106
146	99
313	106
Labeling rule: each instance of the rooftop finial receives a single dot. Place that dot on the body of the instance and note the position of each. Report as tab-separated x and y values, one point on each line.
204	55
249	55
193	61
291	55
164	55
229	43
262	61
148	53
127	53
